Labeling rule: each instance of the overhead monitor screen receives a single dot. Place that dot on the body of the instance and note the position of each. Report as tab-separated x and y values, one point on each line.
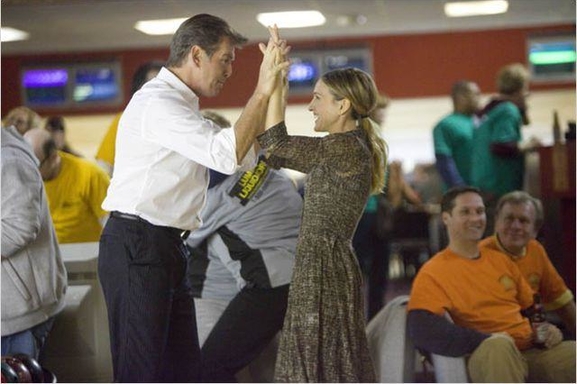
72	85
302	73
45	86
95	84
552	58
307	66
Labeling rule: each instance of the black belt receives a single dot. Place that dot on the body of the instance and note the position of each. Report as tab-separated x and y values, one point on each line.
128	216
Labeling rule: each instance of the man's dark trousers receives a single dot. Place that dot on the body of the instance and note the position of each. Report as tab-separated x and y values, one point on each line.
153	336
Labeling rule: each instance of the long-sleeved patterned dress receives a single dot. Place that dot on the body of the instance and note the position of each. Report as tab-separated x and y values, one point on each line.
323	338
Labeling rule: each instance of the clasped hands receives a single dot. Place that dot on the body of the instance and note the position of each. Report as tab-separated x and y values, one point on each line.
275	64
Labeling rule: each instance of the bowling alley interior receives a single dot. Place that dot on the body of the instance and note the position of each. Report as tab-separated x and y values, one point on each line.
75	59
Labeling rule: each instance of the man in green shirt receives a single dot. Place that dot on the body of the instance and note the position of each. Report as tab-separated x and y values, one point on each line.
453	135
498	150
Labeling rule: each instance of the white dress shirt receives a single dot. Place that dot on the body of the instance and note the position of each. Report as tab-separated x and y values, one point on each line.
164	148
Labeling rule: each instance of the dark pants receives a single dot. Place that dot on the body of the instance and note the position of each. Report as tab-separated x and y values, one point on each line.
151	315
373	256
246	327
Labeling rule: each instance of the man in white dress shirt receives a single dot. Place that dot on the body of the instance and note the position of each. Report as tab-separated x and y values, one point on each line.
164	149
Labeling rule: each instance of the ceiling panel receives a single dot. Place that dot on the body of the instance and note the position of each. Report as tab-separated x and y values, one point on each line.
92	25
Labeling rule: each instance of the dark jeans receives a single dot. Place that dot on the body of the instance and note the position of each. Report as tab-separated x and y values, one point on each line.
151	315
246	327
373	255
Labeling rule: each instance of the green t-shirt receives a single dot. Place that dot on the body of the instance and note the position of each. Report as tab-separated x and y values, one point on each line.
372	203
492	173
453	137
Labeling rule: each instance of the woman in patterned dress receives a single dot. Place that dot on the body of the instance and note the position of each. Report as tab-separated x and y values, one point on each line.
323	338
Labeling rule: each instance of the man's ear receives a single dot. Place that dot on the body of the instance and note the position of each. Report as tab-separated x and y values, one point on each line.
196	55
445	216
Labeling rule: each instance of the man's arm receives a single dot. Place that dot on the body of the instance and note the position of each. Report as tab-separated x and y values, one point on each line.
436	334
567	315
448	170
277	104
251	121
22	200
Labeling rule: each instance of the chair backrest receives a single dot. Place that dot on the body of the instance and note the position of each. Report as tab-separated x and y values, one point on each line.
394	354
392	351
449	369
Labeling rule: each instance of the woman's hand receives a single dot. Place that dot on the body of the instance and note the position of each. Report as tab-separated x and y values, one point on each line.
277	102
274	62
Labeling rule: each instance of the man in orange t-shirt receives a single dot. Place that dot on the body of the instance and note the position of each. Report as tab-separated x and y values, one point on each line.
518	218
485	293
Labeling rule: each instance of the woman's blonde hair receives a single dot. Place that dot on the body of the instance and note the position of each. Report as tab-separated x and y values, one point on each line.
359	88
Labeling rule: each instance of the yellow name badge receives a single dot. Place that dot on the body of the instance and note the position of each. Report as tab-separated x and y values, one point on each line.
250	182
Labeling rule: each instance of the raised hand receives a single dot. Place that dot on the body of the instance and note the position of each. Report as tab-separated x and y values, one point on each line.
274	62
278	98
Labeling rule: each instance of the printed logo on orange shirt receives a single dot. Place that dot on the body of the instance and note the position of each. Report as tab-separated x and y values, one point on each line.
507	282
534	281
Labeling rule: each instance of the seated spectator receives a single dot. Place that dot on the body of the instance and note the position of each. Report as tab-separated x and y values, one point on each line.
23	118
243	257
518	218
75	188
56	126
33	273
484	293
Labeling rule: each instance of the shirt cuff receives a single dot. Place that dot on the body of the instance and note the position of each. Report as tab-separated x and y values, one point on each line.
559	302
272	135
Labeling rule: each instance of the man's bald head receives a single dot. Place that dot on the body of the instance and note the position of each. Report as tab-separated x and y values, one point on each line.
45	150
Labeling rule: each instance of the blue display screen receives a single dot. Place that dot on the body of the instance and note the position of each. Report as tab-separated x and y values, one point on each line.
35	78
45	86
302	73
72	85
95	84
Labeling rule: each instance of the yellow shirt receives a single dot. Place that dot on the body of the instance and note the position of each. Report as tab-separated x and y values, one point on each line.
75	197
107	150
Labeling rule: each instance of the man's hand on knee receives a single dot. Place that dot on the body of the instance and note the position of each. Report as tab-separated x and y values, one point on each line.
554	336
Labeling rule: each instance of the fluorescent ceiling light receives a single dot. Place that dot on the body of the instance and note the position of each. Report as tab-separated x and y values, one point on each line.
12	34
476	8
159	27
293	19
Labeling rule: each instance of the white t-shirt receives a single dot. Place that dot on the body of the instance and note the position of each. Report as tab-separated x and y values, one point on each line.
163	149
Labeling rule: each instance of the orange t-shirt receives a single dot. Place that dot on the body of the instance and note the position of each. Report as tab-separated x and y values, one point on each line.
538	271
485	294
